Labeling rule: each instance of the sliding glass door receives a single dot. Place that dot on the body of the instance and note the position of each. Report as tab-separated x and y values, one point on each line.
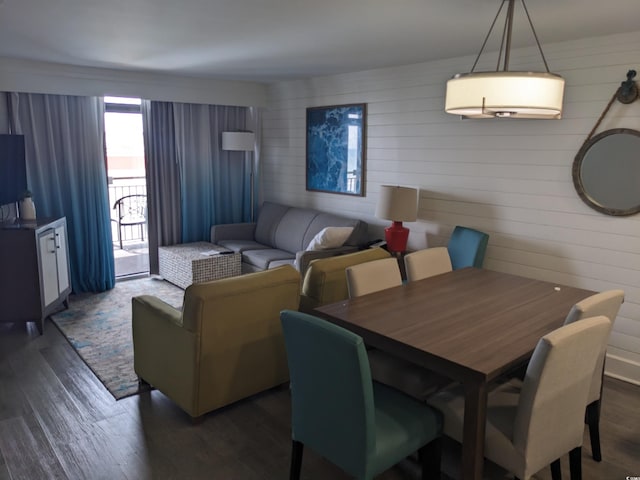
127	185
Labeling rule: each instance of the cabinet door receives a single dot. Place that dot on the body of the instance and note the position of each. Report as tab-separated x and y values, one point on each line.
48	267
61	257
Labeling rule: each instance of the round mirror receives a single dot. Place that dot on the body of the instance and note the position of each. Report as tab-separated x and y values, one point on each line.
606	172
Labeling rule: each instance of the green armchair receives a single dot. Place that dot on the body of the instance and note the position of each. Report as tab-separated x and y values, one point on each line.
226	344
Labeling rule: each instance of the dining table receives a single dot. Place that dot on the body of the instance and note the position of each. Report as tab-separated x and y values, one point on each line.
472	325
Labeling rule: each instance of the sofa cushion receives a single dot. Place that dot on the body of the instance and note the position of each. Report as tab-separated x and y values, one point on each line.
241	245
292	228
264	257
268	220
322	220
330	237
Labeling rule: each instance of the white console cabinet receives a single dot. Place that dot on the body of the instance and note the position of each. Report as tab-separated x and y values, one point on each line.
34	270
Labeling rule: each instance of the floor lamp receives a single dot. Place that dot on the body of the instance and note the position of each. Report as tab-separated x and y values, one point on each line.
241	142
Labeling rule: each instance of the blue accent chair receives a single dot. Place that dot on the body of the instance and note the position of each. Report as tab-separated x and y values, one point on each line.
337	410
467	247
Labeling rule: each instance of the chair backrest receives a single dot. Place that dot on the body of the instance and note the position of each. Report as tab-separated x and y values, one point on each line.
605	303
325	280
550	413
373	276
427	263
467	247
131	206
331	390
236	322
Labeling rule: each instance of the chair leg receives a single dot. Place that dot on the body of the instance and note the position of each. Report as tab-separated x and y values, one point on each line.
556	472
592	419
296	460
575	463
430	457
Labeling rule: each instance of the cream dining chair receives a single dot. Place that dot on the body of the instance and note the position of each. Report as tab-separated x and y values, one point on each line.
532	424
427	263
371	277
606	303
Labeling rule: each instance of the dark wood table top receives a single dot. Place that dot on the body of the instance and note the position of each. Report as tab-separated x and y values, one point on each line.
471	325
469	322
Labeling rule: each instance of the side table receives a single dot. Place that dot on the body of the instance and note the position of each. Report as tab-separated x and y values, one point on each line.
189	263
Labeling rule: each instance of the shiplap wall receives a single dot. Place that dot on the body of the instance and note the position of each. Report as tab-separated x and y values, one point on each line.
510	178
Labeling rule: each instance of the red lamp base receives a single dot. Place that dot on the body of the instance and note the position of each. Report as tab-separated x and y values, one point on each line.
396	236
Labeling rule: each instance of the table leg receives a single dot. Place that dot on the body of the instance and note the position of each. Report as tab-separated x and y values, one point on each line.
475	417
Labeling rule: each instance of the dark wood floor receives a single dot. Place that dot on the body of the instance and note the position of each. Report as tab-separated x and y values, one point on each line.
58	421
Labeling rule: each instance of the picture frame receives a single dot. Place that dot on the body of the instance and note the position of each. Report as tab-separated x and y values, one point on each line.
336	146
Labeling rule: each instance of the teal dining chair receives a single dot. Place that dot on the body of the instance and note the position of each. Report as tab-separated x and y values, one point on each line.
467	247
337	410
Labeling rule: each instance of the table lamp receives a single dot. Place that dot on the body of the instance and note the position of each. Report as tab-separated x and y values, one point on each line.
398	204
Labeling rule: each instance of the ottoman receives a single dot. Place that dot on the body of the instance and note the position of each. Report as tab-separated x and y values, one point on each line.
197	262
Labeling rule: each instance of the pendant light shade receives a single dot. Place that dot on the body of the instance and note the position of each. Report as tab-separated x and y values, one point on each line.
504	93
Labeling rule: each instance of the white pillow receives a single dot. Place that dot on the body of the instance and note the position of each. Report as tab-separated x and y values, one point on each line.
330	237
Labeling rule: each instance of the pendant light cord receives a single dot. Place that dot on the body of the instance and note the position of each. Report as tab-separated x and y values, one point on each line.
506	33
487	37
535	35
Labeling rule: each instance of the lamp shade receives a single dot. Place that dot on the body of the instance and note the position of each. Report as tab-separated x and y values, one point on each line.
238	141
505	94
398	204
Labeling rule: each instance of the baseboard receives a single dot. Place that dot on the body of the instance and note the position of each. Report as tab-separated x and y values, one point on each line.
622	369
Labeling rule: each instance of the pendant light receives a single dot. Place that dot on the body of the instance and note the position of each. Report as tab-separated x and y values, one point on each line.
504	93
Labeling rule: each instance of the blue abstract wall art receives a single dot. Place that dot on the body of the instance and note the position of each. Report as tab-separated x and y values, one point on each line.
335	149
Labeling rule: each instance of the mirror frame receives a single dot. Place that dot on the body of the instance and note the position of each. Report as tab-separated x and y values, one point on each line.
577	177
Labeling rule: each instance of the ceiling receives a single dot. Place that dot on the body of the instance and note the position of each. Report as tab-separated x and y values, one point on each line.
269	40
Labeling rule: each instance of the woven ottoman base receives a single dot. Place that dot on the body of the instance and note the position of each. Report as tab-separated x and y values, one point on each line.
189	263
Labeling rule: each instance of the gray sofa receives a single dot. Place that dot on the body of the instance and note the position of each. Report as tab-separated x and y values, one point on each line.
281	235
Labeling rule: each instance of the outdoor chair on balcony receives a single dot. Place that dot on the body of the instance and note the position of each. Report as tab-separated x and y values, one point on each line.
131	210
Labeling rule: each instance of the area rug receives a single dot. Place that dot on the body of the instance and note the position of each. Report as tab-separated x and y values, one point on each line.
98	327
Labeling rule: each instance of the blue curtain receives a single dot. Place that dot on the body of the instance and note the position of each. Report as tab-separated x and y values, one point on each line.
214	183
66	173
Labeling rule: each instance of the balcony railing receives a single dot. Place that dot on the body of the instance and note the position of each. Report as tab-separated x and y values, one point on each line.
121	187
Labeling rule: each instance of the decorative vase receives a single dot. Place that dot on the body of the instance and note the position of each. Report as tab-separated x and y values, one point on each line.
27	209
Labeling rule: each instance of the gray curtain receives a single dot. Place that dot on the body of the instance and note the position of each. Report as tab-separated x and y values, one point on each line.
191	183
164	215
214	183
4	113
66	171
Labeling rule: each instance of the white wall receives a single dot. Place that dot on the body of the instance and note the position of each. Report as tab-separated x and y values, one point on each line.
510	178
41	77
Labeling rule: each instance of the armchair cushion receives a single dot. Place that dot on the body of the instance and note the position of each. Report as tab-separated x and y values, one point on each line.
325	279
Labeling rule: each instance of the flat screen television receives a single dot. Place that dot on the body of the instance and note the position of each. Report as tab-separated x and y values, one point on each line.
13	168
